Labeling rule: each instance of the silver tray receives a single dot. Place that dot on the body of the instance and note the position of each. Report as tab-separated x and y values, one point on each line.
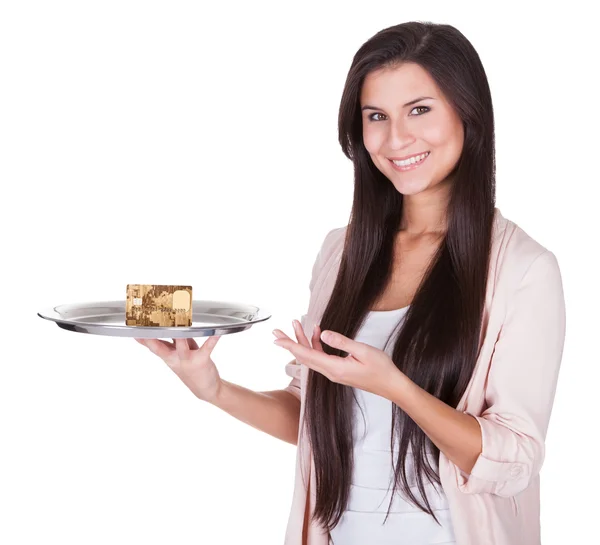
108	318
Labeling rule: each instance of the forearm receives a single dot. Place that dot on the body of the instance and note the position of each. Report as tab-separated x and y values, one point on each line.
455	433
276	412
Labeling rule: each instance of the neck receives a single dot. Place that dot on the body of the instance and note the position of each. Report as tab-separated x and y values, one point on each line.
423	216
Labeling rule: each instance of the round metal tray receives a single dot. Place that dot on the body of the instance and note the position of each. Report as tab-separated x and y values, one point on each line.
108	318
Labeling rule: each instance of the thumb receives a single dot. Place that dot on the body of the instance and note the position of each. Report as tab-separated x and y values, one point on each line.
210	343
356	349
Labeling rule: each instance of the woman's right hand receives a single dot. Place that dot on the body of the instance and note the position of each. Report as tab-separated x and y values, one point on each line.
192	364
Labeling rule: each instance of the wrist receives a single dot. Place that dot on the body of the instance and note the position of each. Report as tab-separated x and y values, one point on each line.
220	391
395	386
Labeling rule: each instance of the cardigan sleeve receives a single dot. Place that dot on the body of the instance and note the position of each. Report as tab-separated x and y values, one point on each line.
292	369
521	384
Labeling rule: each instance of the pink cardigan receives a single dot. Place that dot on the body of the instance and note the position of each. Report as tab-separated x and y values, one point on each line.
511	393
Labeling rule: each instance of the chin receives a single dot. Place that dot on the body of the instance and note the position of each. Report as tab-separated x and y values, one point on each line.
412	187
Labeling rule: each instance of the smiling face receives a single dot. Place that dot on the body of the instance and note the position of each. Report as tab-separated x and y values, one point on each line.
394	130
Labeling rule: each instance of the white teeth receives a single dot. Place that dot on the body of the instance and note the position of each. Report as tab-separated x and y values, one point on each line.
412	160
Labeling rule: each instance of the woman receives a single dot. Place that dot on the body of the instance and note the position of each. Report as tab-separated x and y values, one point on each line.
422	418
475	307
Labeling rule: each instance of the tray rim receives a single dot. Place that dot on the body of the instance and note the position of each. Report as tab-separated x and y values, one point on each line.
51	314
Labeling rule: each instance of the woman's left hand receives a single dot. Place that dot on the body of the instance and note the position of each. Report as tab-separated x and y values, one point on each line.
365	367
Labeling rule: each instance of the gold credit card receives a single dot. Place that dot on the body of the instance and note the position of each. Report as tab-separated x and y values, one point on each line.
158	305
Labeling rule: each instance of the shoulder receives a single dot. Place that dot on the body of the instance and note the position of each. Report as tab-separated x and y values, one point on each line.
514	250
516	253
510	240
333	243
336	235
330	248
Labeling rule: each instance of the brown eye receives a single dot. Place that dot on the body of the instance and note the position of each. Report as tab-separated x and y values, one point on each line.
421	108
371	116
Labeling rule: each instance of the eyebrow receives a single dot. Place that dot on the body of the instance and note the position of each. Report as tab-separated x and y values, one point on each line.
367	107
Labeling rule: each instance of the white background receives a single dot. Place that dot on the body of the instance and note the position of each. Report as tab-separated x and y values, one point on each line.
187	143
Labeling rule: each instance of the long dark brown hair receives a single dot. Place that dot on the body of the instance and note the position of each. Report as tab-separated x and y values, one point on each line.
438	343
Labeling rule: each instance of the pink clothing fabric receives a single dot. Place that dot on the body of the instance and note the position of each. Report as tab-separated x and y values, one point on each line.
511	394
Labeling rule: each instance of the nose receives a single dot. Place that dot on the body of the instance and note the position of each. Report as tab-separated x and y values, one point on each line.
399	135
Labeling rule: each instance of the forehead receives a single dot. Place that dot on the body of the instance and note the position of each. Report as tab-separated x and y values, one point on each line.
395	86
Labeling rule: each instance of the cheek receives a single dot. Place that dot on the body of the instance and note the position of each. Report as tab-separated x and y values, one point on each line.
435	133
440	131
372	139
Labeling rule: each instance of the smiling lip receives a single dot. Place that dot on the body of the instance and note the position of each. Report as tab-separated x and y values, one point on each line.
408	167
406	157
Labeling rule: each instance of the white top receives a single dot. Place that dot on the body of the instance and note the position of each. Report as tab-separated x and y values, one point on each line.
372	477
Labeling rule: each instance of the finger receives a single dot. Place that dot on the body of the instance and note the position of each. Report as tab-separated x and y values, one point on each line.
319	361
183	349
358	350
281	335
144	342
316	339
300	335
161	348
190	342
169	345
